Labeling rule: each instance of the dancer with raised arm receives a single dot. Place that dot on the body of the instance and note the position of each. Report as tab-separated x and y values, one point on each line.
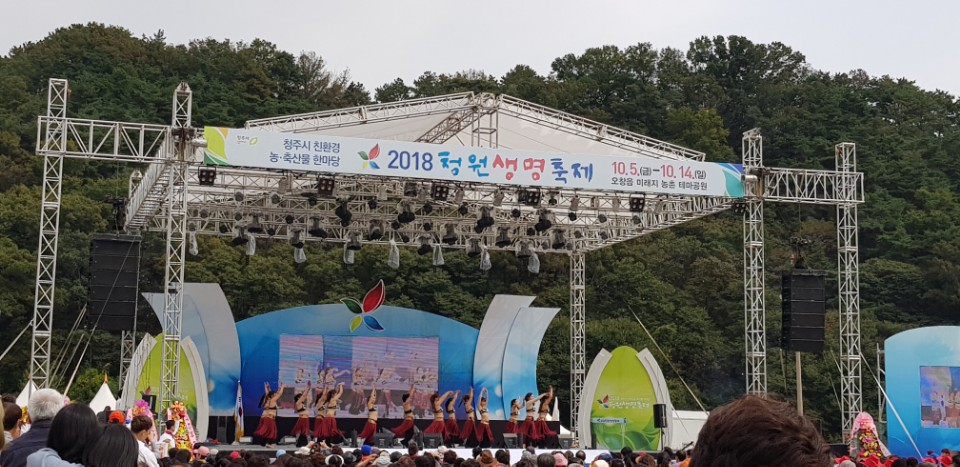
301	430
529	428
405	430
469	431
512	426
371	426
320	404
328	428
548	437
266	432
452	428
484	433
437	426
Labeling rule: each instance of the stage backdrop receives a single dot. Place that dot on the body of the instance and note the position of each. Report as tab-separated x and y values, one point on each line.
923	386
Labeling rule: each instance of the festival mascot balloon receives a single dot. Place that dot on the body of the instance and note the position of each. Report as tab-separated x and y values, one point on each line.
864	439
185	436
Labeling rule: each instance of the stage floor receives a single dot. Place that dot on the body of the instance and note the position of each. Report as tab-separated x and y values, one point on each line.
461	452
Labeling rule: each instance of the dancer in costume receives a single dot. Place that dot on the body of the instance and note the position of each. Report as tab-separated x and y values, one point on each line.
328	427
529	428
438	426
301	430
548	437
512	426
370	428
405	430
451	427
469	431
320	404
484	433
266	433
382	380
184	436
357	399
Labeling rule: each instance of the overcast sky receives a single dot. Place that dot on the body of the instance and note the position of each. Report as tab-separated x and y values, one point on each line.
382	40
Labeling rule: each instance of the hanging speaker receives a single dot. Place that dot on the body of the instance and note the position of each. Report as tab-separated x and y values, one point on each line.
804	310
113	282
659	415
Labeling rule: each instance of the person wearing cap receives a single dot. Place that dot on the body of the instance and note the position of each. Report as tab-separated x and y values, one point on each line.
201	453
486	459
383	460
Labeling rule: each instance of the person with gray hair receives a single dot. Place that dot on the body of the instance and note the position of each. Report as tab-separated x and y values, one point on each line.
42	407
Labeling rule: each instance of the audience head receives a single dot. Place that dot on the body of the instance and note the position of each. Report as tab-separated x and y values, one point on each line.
477	450
44	404
115	447
412	448
170	424
503	456
560	460
11	418
74	429
546	460
140	425
754	430
424	461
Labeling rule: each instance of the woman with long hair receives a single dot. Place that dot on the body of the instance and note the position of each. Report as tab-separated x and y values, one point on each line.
115	447
512	426
529	428
548	437
328	427
72	432
320	403
452	428
469	431
301	430
266	432
370	428
484	433
406	427
438	426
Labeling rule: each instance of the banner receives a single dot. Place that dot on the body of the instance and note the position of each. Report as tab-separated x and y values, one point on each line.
388	158
238	414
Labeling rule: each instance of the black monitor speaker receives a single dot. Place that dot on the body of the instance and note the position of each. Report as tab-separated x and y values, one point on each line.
510	441
566	441
660	415
383	440
432	440
804	310
113	283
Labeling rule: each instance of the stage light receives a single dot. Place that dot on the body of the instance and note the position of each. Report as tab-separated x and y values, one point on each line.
353	241
559	239
515	213
316	228
238	196
578	233
473	247
238	216
241	238
637	220
410	190
450	234
343	212
601	218
427	208
271	230
503	237
463	210
312	200
376	230
296	239
574	205
223	228
486	218
439	192
524	250
275	198
395	225
529	197
544	223
372	204
604	235
404	237
531	231
458	195
207	176
497	198
288	219
204	214
553	199
254	226
637	204
424	245
406	215
427	226
326	185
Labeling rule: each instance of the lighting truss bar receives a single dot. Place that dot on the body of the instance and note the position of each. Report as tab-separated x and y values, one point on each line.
812	186
102	140
483	104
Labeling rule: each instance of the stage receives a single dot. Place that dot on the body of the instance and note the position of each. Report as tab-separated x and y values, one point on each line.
465	453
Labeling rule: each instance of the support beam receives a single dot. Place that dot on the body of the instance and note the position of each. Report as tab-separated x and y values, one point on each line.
848	273
54	138
578	362
753	270
128	345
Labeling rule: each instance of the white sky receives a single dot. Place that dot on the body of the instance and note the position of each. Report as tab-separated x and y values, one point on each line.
385	39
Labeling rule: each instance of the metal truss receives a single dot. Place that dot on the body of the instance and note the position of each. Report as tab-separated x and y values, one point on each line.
128	345
101	140
54	139
848	189
578	347
753	262
811	186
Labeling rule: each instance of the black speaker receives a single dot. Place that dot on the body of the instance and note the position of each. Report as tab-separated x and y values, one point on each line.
510	441
804	310
660	415
113	283
432	440
566	441
382	440
151	400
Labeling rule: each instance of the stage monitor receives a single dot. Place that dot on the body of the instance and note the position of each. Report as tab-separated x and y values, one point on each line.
432	440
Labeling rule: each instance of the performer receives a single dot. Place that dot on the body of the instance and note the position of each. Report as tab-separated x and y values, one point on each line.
302	429
328	427
512	426
451	428
438	426
382	380
357	399
469	432
320	403
529	429
406	428
371	426
548	437
484	433
266	433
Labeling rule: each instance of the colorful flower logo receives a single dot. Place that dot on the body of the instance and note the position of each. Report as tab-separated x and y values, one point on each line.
605	401
368	158
371	302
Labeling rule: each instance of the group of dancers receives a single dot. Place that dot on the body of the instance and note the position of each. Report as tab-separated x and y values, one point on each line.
533	431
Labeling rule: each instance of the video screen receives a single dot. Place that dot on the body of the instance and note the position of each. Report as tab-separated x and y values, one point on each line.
390	364
940	397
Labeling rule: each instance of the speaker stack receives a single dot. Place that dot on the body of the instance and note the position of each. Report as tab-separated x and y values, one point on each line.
804	310
114	278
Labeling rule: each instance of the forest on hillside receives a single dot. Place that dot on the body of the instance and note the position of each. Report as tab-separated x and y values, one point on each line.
685	283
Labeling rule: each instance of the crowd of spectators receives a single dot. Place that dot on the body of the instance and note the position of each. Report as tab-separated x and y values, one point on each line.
749	432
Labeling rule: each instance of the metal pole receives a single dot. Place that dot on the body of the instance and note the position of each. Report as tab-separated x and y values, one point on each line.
753	269
799	385
577	338
848	274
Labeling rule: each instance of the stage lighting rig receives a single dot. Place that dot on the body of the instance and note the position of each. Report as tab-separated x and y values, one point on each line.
545	221
376	230
326	185
241	238
450	234
637	203
530	197
406	215
255	226
238	196
316	228
473	247
497	198
410	190
439	191
463	210
207	176
424	248
503	237
353	241
343	212
524	251
559	239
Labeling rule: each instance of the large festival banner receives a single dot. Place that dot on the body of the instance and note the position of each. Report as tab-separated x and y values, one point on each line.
389	158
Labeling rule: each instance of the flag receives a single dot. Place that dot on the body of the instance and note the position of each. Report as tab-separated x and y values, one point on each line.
238	413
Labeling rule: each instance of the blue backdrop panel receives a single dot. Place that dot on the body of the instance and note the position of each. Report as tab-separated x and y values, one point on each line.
937	350
494	331
523	347
260	341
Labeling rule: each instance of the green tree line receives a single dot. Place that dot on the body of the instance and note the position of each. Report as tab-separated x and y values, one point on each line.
685	284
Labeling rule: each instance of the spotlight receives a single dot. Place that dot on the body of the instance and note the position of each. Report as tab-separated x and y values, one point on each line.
288	219
395	225
544	223
276	198
312	200
296	240
515	213
238	216
463	209
427	226
427	208
207	176
204	214
553	199
497	198
604	235
531	231
637	220
524	251
486	217
529	197
478	229
254	226
316	229
343	212
637	204
406	215
503	237
450	234
424	245
473	247
372	204
326	185
439	192
458	196
240	239
404	237
223	228
410	190
574	205
376	230
601	218
353	241
559	239
271	230
578	234
238	196
572	216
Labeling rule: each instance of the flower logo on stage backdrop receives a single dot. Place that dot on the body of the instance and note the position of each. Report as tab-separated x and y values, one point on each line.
605	401
368	160
371	301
